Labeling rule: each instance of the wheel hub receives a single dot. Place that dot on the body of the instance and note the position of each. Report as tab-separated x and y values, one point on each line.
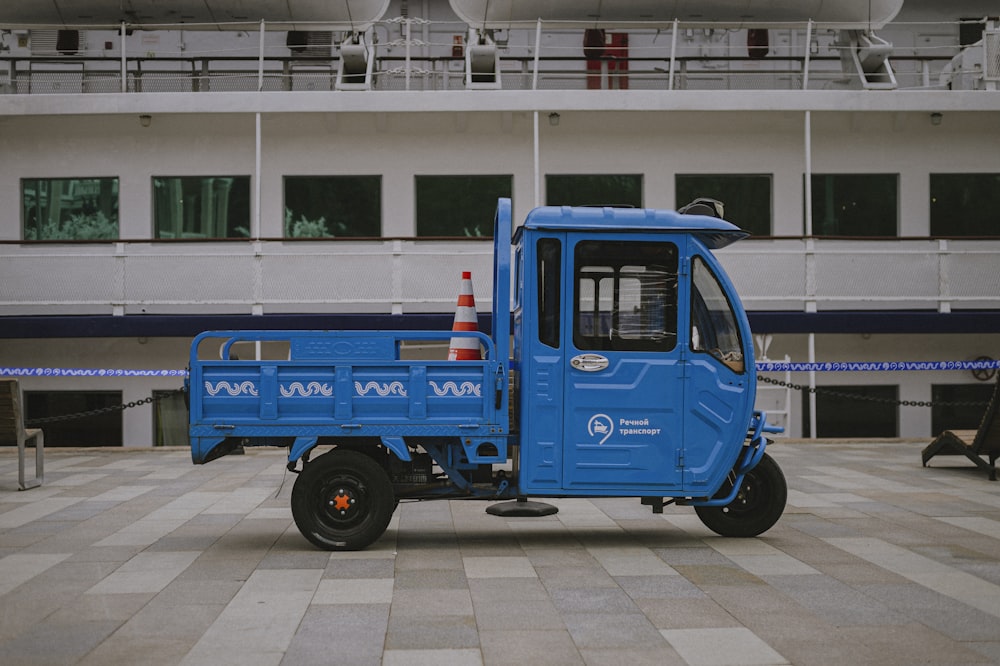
343	501
746	499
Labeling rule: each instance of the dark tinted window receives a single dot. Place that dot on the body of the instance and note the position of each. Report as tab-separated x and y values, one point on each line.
103	429
170	419
462	206
333	206
594	190
201	207
965	204
747	197
549	290
864	411
966	414
855	204
69	208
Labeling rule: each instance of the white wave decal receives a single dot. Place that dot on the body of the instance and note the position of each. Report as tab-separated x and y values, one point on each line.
246	388
313	388
392	388
451	388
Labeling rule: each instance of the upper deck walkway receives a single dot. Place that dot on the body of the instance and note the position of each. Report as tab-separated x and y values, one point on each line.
414	54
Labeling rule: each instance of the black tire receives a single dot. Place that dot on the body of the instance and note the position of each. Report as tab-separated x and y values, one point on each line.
757	507
342	500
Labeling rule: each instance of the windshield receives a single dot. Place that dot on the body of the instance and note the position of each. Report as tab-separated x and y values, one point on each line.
713	324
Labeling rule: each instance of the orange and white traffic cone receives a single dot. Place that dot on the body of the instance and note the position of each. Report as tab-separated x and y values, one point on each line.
465	348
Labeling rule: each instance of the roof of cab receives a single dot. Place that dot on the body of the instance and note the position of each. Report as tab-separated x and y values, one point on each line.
711	231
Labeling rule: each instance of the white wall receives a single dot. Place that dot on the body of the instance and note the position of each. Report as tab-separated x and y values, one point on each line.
401	145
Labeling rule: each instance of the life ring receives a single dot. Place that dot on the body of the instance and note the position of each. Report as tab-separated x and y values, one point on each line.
984	374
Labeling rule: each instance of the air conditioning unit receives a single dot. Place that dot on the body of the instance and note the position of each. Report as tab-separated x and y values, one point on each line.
54	42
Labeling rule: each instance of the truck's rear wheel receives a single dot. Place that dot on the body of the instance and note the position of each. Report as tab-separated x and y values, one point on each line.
758	504
342	500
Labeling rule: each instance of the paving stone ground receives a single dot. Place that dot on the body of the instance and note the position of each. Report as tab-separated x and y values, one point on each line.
139	557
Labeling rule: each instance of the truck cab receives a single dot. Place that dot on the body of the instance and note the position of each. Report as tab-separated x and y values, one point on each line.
632	375
630	353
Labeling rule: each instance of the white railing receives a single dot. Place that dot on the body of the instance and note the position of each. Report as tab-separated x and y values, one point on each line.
240	277
828	274
413	54
410	276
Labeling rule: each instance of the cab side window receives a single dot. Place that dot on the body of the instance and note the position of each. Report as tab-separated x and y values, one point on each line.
626	296
549	257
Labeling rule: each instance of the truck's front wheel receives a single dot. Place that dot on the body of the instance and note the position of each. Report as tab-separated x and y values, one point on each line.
342	500
759	503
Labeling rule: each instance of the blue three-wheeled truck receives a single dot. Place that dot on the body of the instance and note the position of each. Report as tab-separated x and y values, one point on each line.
632	375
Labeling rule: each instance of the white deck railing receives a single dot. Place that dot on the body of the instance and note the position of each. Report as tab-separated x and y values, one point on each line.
409	276
412	54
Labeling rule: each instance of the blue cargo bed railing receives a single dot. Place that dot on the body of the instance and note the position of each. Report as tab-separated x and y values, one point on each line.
311	384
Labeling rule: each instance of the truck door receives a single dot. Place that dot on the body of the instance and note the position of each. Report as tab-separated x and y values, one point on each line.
719	389
623	395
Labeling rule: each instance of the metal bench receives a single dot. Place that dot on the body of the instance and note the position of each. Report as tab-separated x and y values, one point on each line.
13	432
973	444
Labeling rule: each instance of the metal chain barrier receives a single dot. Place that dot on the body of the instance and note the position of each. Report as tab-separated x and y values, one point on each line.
855	396
984	368
103	410
981	364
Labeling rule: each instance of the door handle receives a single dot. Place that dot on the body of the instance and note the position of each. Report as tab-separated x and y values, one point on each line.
589	362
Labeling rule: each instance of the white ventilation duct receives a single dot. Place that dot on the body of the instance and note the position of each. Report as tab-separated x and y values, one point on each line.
352	15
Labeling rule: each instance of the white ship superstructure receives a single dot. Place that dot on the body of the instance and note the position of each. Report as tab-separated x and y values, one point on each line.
170	168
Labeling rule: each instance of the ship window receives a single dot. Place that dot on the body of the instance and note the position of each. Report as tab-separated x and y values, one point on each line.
333	206
459	206
855	204
104	429
549	286
626	296
594	190
170	419
201	207
853	411
69	208
713	323
958	406
965	204
747	197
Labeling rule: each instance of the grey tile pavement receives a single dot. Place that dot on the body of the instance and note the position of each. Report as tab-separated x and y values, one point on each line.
138	556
